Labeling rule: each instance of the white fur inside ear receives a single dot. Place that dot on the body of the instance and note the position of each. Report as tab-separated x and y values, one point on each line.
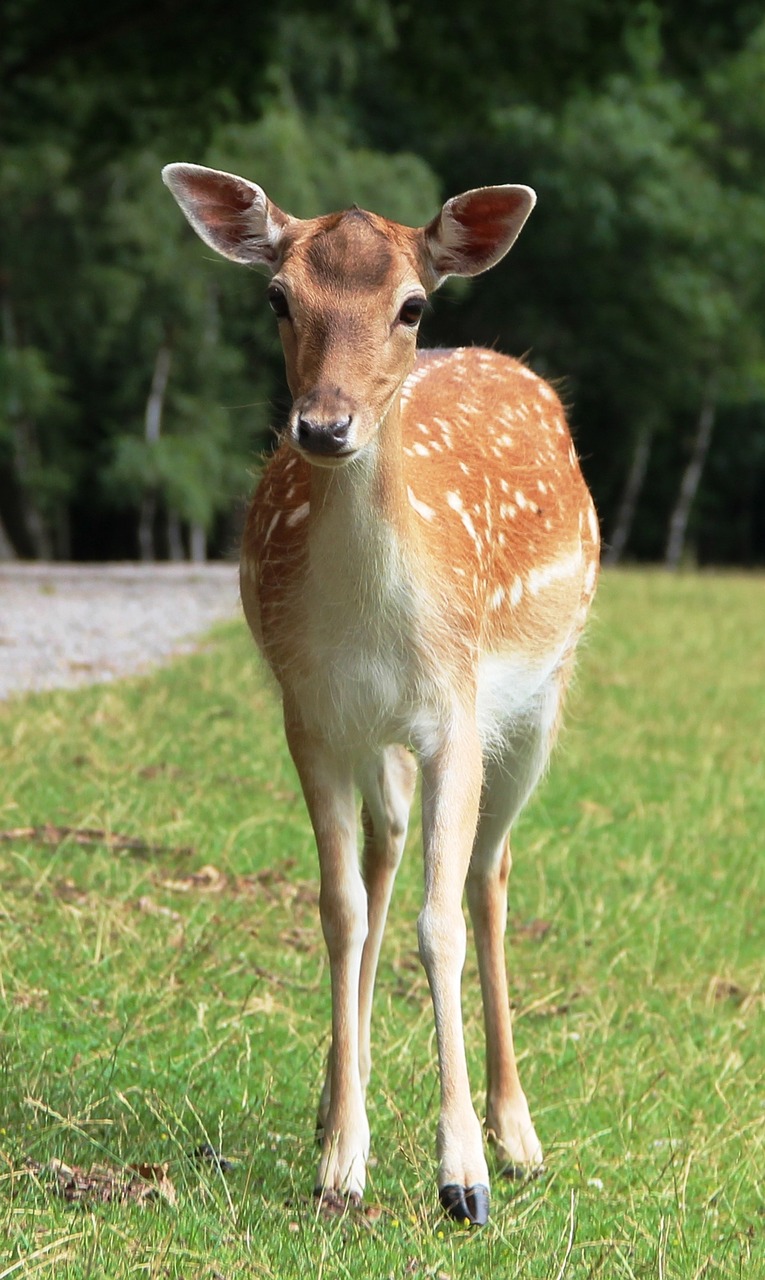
453	234
475	230
230	214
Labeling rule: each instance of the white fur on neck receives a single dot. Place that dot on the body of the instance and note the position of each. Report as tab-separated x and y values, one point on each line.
370	680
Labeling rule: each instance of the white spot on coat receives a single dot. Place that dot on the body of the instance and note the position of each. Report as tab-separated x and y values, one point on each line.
421	508
298	514
555	570
455	502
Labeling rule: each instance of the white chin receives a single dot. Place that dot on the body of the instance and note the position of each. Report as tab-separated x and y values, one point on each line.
326	460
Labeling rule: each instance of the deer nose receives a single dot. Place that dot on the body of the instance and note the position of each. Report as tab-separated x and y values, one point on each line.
323	437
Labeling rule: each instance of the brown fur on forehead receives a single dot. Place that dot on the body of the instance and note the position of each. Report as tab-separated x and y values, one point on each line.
355	249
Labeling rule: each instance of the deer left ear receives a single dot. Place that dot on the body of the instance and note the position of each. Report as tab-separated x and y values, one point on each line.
231	214
475	230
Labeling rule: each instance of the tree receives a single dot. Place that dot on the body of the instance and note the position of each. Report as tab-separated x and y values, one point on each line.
639	274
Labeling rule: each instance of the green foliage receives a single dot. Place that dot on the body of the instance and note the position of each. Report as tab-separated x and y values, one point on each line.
626	186
312	165
640	279
30	386
152	1001
197	473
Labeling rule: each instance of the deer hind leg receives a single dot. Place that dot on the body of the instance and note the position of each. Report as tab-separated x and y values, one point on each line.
509	779
387	785
329	791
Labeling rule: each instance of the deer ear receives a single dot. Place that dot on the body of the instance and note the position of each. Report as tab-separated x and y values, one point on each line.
475	230
233	216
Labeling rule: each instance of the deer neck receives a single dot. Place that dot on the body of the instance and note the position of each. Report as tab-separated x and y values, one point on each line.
359	516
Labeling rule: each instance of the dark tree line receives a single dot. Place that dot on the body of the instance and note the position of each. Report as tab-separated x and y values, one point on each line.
138	379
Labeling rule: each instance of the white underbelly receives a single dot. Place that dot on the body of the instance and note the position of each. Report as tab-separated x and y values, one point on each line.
365	700
512	690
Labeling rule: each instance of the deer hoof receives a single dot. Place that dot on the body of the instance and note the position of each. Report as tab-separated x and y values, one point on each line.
522	1172
335	1203
466	1204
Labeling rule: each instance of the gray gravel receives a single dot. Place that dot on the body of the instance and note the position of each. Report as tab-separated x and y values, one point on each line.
64	625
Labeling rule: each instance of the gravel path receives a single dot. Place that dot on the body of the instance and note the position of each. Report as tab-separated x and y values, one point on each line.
63	625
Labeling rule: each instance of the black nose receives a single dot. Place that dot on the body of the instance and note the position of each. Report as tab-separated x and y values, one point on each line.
323	437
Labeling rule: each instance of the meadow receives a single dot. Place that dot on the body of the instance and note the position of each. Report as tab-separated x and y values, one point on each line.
164	992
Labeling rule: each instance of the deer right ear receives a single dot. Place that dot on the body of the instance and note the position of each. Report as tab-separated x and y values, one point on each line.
475	230
233	216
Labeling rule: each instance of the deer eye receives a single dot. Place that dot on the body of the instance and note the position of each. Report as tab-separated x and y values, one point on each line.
411	312
277	300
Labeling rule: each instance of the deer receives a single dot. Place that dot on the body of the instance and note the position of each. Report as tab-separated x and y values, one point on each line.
417	566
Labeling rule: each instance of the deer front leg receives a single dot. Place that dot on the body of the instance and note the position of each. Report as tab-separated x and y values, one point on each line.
451	789
387	784
329	792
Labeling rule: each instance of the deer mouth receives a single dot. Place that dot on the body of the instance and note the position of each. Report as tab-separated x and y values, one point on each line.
321	455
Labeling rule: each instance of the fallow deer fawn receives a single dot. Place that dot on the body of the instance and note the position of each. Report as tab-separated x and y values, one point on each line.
417	567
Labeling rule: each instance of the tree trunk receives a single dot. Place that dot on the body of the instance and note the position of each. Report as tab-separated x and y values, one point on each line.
7	549
155	406
146	548
174	537
198	544
633	485
27	456
678	522
26	449
62	534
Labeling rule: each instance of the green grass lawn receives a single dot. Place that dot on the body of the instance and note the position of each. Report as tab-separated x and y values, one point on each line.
154	999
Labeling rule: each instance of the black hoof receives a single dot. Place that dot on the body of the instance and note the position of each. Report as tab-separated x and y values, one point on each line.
466	1204
521	1172
207	1154
333	1203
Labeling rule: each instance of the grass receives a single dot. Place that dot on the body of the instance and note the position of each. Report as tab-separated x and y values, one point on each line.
153	1001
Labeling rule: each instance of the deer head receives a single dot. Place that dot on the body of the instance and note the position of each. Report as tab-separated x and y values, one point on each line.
348	291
